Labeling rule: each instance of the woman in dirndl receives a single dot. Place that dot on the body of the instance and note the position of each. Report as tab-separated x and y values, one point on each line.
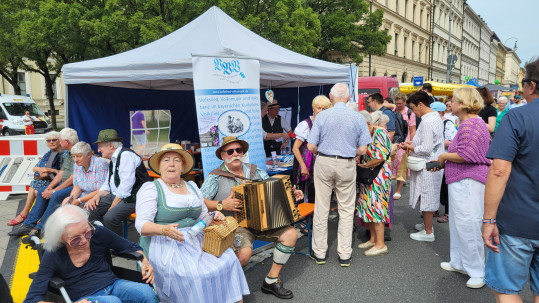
302	172
166	209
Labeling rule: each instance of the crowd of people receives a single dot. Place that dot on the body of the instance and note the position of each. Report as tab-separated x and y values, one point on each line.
458	153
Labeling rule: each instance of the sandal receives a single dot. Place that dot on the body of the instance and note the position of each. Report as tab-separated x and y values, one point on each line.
443	219
303	227
396	196
14	222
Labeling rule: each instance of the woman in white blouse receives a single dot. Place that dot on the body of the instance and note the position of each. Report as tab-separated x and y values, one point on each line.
302	174
428	144
166	209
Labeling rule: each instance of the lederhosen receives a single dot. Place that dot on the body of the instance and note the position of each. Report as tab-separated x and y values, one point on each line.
277	128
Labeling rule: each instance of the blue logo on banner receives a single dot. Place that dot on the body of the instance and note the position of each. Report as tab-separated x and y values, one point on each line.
418	81
228	67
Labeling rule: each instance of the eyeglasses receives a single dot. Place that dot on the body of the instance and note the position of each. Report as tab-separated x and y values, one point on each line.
51	140
87	235
238	150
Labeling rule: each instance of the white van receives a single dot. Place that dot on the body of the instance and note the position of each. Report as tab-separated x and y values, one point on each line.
12	109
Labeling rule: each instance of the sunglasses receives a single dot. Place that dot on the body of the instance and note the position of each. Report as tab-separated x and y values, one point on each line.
238	150
87	235
51	140
529	80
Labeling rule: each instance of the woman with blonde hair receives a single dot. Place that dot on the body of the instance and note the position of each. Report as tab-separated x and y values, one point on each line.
304	160
374	198
466	169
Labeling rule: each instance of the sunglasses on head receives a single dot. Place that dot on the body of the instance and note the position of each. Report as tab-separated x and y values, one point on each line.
51	140
87	235
528	81
238	150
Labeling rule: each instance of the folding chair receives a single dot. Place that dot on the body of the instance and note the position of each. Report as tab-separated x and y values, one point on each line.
306	210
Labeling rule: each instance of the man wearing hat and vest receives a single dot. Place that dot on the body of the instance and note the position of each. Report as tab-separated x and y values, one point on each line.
116	198
217	192
272	123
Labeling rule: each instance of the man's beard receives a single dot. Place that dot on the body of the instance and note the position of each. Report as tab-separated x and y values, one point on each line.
228	161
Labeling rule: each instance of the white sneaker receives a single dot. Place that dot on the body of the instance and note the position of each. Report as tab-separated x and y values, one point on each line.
475	282
422	236
448	267
420	227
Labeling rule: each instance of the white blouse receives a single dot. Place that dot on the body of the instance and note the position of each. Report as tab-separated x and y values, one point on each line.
302	130
146	207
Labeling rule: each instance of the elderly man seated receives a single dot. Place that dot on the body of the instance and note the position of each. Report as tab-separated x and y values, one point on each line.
49	198
116	198
89	174
217	192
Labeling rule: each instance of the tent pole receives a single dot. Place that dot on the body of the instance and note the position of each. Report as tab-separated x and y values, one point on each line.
66	107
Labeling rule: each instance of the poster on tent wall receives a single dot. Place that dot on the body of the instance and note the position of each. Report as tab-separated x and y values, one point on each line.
227	96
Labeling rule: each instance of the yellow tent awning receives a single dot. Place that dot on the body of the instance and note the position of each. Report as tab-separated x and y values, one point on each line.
438	89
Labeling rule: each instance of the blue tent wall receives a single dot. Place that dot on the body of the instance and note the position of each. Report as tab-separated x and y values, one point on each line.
94	107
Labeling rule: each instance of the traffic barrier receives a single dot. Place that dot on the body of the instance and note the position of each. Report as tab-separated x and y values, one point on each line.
18	156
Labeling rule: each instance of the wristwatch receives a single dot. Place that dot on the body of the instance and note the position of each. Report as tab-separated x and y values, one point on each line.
220	205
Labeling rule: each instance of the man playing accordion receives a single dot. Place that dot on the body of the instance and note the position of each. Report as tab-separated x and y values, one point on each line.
217	192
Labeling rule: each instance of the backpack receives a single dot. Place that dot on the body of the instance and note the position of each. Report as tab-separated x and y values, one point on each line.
401	128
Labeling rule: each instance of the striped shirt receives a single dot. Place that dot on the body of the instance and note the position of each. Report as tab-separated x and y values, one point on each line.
92	179
339	131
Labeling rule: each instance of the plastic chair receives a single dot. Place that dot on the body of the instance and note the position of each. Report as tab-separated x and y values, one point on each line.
128	222
306	210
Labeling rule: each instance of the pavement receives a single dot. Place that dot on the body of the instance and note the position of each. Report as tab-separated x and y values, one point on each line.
410	272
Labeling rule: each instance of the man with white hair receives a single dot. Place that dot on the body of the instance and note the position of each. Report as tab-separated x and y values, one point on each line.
116	198
338	136
501	110
49	198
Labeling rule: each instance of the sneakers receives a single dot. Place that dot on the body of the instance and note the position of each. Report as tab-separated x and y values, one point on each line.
475	283
20	230
346	262
318	261
447	266
422	236
419	227
443	219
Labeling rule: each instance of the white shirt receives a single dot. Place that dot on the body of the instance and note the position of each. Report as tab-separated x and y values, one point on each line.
302	130
451	117
27	120
449	132
147	202
128	164
284	124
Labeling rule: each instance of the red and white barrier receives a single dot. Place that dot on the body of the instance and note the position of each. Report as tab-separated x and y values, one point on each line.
18	156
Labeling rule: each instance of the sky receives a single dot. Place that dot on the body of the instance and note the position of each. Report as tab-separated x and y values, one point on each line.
514	18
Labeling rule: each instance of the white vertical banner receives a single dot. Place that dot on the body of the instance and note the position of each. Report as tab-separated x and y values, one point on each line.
227	96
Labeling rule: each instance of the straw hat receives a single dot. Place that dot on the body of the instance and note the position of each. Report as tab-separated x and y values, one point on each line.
228	140
153	162
273	104
108	135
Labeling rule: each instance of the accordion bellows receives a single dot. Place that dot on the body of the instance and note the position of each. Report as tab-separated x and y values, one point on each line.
267	204
219	237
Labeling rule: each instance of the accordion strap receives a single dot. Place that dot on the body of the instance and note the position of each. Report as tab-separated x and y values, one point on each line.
223	173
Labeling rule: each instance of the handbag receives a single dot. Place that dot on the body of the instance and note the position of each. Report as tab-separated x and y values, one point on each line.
366	175
416	163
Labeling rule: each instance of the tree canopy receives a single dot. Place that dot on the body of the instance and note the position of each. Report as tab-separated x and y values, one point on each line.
51	33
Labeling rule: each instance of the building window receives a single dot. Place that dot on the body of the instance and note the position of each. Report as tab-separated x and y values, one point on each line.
405	8
404	49
53	89
421	18
397	6
413	13
413	49
387	3
21	81
396	44
420	50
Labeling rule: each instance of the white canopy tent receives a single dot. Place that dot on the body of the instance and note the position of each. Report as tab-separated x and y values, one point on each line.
166	64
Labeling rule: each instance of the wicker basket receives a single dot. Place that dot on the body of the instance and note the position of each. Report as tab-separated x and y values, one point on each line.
218	238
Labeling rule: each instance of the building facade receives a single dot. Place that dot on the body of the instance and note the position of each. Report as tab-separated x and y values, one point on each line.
407	54
471	41
493	55
448	17
484	55
512	68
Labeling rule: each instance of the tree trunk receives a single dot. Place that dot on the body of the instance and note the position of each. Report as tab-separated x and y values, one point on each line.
50	97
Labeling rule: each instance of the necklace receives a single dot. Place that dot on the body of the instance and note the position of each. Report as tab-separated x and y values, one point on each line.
175	185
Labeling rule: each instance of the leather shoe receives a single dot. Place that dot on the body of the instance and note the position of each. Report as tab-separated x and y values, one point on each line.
20	230
277	290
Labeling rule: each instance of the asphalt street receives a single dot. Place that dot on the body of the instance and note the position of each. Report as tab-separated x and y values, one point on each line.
410	272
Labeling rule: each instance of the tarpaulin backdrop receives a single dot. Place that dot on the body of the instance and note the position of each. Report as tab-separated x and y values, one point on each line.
95	107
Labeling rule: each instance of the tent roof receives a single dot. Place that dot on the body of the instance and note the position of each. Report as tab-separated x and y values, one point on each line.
167	63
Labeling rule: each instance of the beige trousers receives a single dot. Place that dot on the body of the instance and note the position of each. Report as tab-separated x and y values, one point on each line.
342	174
